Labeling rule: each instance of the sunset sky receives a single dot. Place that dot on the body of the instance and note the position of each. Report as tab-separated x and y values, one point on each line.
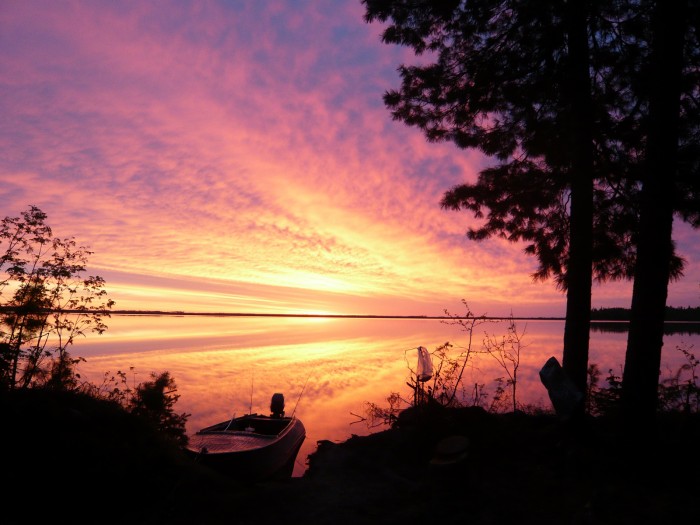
237	156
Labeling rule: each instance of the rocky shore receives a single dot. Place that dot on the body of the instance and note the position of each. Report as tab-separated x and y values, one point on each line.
74	460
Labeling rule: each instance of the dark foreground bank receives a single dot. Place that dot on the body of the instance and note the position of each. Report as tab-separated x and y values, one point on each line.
73	459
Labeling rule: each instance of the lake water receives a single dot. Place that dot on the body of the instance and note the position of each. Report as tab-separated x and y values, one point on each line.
327	368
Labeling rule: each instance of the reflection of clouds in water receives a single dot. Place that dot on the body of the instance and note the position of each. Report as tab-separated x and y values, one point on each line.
319	389
338	371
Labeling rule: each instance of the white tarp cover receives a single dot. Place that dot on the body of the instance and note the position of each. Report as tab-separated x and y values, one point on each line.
425	365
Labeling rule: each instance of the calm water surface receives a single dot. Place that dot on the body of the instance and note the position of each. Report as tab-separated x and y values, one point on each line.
327	368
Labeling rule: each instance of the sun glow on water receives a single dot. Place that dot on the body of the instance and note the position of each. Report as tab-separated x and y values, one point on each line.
327	368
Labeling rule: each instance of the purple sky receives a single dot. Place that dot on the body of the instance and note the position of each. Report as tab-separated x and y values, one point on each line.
237	156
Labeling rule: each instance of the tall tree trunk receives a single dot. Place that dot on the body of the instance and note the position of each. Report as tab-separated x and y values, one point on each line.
579	268
650	290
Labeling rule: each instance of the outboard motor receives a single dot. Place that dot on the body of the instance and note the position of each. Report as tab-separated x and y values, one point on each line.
277	405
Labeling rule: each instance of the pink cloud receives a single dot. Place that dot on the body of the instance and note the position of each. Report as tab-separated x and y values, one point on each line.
246	144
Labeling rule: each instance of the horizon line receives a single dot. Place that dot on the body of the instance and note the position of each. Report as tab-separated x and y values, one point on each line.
353	316
370	316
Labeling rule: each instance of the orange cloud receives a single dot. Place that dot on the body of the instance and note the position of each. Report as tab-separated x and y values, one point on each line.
247	146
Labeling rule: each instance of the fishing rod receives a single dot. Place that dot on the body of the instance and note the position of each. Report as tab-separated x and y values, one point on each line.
300	393
229	423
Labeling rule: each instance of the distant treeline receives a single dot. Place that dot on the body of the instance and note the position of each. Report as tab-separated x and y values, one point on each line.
673	313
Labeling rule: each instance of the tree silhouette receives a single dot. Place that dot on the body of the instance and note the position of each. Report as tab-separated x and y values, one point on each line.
512	79
555	93
155	400
50	303
670	184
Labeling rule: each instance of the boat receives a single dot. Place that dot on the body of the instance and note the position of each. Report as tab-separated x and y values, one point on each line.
252	447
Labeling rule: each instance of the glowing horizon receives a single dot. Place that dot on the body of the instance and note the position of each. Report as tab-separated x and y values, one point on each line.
238	157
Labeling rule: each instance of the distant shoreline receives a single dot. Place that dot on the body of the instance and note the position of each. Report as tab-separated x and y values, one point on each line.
686	316
327	316
371	316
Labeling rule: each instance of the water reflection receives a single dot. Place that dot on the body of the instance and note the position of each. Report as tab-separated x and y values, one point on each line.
232	365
